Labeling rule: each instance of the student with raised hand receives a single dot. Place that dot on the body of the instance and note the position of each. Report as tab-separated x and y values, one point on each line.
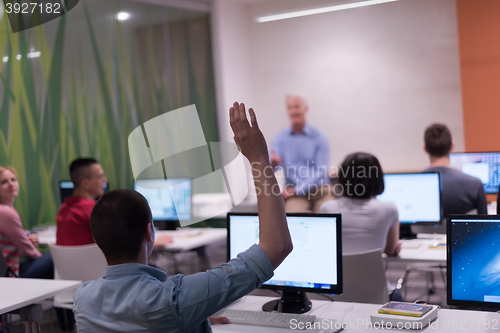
14	241
133	297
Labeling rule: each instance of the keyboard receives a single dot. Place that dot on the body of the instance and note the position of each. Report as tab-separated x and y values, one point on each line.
411	244
267	319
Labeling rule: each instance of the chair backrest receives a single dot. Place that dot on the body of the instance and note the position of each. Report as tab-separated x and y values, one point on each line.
84	263
364	278
4	269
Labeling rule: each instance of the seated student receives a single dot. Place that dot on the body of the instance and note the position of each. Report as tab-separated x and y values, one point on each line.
73	218
134	297
461	193
367	223
14	242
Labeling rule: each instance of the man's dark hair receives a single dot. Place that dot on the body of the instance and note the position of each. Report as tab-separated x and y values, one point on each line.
438	140
361	176
118	222
79	169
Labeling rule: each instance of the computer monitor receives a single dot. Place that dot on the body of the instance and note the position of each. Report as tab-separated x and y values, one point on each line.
485	166
473	260
169	199
416	195
66	188
315	264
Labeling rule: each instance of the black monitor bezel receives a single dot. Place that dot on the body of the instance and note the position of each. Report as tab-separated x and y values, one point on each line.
440	198
190	197
476	152
449	247
339	286
106	190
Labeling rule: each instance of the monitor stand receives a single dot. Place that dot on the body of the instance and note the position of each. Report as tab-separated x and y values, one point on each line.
405	232
290	302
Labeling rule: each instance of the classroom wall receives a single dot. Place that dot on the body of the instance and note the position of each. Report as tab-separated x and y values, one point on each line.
479	31
375	77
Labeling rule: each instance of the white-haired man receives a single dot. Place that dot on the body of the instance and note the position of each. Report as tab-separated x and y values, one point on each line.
304	154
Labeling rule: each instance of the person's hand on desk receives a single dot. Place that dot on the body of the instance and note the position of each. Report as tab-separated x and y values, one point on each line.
399	245
288	192
218	320
162	241
33	239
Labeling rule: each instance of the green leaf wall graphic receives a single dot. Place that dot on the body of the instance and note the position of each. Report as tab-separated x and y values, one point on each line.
92	84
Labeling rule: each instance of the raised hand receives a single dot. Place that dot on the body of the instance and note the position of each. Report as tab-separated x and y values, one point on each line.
249	139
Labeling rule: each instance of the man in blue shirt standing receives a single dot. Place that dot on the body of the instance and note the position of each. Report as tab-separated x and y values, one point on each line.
134	297
304	154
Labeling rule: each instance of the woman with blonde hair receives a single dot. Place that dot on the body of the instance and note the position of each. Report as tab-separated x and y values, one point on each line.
14	241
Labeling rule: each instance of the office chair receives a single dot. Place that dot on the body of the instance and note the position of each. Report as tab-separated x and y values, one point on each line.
364	278
84	263
5	271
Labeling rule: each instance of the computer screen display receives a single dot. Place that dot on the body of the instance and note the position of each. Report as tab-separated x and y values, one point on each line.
416	195
169	200
66	188
485	166
315	264
473	260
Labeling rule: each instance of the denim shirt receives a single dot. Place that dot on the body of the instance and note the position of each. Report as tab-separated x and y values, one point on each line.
305	158
139	298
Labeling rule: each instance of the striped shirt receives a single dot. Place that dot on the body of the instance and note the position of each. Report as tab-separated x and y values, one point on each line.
365	222
13	239
305	158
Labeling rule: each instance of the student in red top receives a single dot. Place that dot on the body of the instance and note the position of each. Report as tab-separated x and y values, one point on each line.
73	218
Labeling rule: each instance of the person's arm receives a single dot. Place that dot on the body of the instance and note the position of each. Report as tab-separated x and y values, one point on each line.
498	201
162	241
200	295
392	245
10	224
274	236
317	171
275	151
481	205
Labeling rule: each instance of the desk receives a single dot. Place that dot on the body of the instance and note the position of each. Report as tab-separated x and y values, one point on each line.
357	318
184	240
192	239
425	254
422	249
17	293
47	236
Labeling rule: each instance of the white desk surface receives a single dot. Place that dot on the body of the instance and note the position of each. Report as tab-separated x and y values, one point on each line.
422	249
47	236
16	293
357	319
184	240
192	238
